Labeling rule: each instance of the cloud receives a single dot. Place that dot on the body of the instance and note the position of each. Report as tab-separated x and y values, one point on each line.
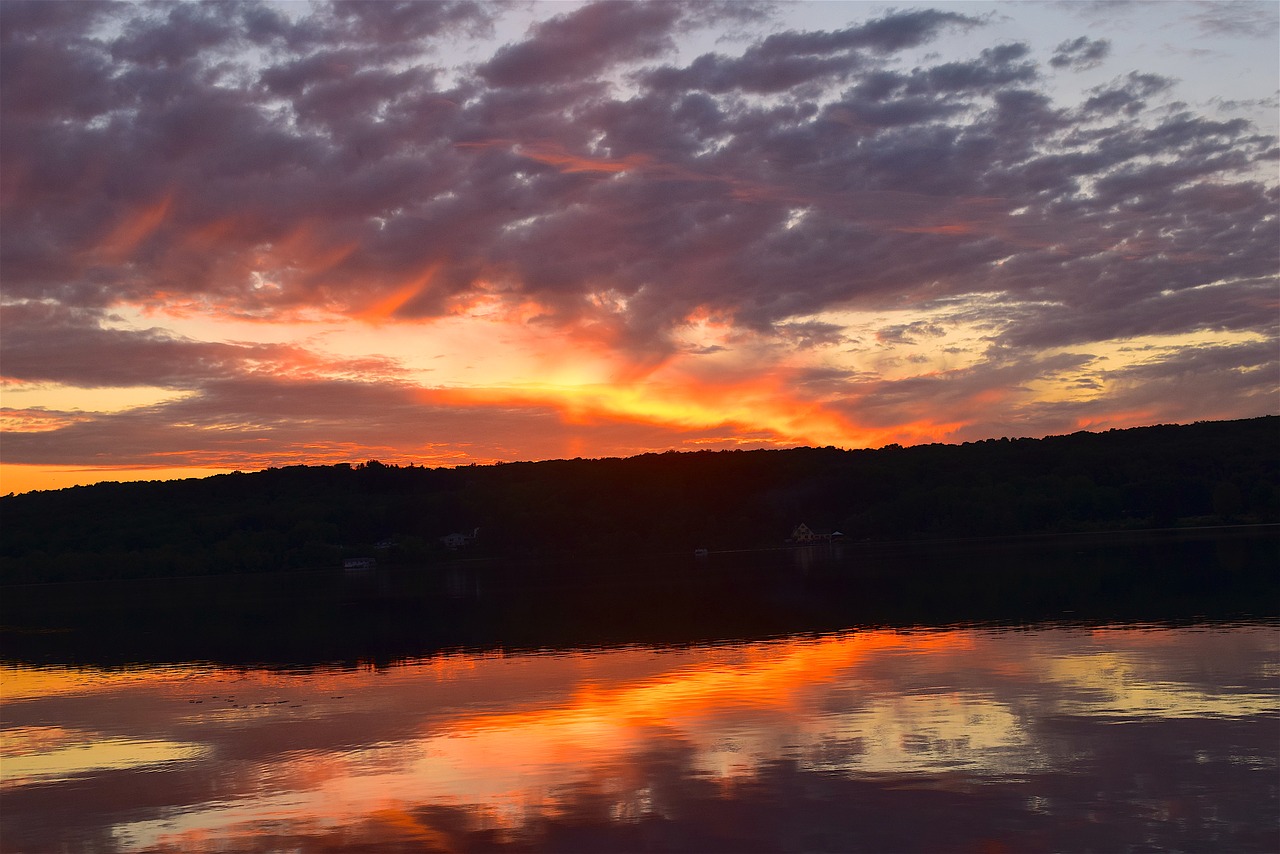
909	333
46	344
258	421
1080	53
1246	19
585	42
784	61
599	182
1126	95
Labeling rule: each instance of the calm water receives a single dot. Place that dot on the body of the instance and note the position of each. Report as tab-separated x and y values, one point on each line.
1055	738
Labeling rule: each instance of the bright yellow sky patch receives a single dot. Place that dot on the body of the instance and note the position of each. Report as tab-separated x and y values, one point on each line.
65	398
1094	379
25	478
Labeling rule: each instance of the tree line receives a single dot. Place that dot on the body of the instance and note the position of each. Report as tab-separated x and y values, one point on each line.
302	517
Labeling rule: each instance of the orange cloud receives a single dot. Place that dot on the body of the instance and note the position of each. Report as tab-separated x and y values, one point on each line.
562	159
390	304
949	228
210	234
36	420
557	155
135	227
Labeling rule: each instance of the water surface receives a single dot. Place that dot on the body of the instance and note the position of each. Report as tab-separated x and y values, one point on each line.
1052	738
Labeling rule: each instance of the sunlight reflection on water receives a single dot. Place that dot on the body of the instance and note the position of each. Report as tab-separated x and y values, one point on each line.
1009	731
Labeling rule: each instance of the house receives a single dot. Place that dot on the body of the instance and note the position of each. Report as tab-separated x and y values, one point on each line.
803	535
459	541
359	563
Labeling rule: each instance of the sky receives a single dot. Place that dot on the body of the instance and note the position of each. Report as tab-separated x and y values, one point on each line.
243	235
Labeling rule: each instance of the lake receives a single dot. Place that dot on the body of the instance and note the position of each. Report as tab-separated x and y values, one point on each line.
1058	735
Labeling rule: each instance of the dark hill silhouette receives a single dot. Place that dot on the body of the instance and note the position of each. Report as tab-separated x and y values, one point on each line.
300	517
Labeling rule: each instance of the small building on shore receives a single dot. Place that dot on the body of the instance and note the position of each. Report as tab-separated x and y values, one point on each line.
803	535
459	540
357	563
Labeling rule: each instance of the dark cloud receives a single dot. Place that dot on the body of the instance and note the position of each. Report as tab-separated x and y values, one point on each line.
47	344
786	60
35	19
1128	95
182	33
893	32
585	42
371	174
395	20
1080	53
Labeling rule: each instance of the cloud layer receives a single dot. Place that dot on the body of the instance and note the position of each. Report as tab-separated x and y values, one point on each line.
599	188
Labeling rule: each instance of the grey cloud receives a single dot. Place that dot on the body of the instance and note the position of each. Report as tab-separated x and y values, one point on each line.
758	74
1081	53
909	333
585	42
786	60
811	333
1230	307
183	33
394	20
894	32
963	395
996	67
1246	18
33	19
1128	95
66	78
47	343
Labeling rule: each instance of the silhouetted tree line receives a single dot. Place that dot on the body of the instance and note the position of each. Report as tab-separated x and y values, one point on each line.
313	516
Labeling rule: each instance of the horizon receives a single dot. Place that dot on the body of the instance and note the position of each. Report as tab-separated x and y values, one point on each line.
200	474
242	237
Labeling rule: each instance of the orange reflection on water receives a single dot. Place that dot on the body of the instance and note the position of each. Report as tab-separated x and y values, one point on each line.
395	756
772	677
729	710
25	682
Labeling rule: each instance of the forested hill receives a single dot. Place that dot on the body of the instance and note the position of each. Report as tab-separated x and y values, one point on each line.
313	517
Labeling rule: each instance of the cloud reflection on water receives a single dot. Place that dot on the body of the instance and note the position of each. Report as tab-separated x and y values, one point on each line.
470	751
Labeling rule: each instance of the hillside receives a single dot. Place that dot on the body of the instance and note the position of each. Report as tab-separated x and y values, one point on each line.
310	517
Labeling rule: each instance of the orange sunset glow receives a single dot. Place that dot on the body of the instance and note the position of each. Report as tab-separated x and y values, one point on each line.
452	233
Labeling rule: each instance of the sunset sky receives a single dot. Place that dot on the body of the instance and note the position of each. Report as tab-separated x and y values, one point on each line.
241	235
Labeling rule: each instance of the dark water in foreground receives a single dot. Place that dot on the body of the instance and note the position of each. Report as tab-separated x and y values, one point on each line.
1052	736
